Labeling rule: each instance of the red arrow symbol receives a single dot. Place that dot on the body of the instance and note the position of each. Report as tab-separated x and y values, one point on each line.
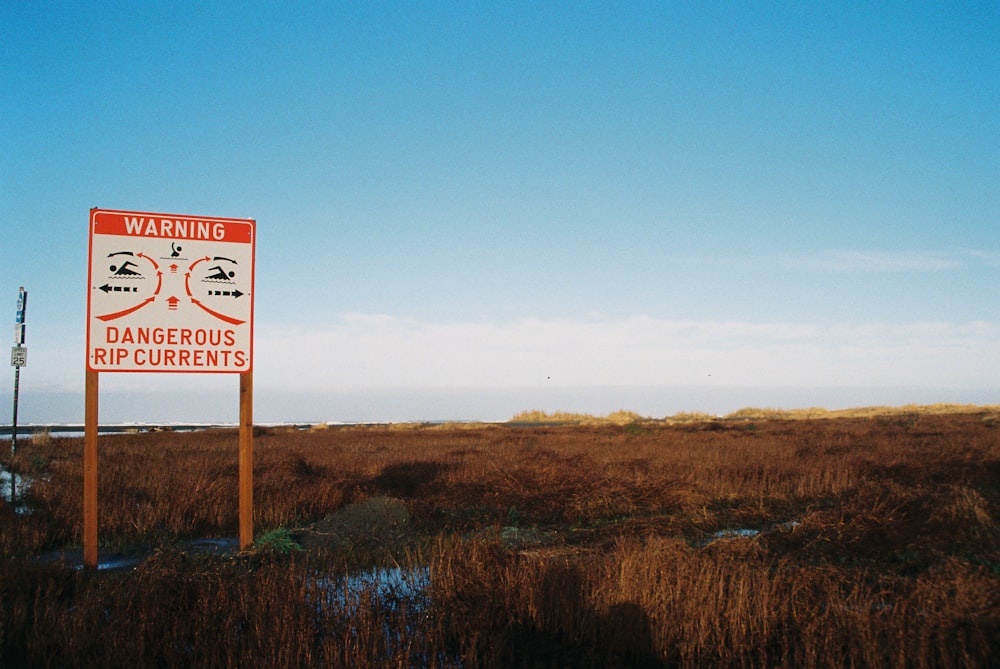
143	255
222	317
126	312
191	267
187	287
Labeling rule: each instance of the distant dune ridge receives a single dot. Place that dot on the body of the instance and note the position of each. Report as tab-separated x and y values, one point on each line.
624	417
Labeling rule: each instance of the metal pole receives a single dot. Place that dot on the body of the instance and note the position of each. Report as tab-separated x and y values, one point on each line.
22	307
13	427
13	435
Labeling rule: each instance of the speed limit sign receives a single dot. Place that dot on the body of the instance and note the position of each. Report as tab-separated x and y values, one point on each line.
18	356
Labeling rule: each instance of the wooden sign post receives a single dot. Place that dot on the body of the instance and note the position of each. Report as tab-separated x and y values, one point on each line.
90	472
169	293
246	460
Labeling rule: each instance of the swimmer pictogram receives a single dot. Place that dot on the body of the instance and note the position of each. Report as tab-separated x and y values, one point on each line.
124	269
220	274
217	273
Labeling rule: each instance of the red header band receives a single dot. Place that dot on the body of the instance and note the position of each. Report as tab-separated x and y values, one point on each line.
136	224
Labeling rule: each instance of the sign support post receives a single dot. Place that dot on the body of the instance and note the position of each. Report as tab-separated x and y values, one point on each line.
13	435
246	460
90	472
13	424
169	293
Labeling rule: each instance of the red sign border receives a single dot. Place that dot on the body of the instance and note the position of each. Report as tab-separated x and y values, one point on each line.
96	211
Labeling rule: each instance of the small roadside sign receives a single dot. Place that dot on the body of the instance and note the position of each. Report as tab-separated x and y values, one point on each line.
19	356
22	302
22	305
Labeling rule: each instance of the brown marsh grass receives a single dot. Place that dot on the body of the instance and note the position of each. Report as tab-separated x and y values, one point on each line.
866	541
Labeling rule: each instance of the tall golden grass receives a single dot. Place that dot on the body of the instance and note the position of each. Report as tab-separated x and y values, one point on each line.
751	542
626	417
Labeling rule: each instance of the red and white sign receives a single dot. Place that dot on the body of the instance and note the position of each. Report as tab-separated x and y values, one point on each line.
170	293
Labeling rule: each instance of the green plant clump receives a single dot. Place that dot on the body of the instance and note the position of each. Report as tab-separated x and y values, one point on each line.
279	541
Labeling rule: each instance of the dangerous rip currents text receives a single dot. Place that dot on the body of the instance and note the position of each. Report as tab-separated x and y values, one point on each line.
154	347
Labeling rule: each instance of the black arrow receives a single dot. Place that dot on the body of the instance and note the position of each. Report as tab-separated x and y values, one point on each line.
118	289
226	293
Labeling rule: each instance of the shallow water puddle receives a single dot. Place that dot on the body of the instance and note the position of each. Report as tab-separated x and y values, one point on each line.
728	534
118	563
748	533
387	589
400	598
15	491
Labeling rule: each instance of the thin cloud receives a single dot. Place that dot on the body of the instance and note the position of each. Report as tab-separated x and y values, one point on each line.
988	258
376	351
855	261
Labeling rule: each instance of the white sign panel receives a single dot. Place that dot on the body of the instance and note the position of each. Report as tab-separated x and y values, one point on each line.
169	293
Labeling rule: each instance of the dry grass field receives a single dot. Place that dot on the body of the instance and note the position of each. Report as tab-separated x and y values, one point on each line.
869	539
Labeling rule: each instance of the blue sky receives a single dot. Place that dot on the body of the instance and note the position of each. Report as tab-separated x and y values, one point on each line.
469	209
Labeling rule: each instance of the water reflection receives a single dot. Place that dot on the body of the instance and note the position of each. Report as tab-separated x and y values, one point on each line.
386	588
13	489
749	533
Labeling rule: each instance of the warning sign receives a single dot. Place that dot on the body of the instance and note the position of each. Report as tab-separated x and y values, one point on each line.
169	293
